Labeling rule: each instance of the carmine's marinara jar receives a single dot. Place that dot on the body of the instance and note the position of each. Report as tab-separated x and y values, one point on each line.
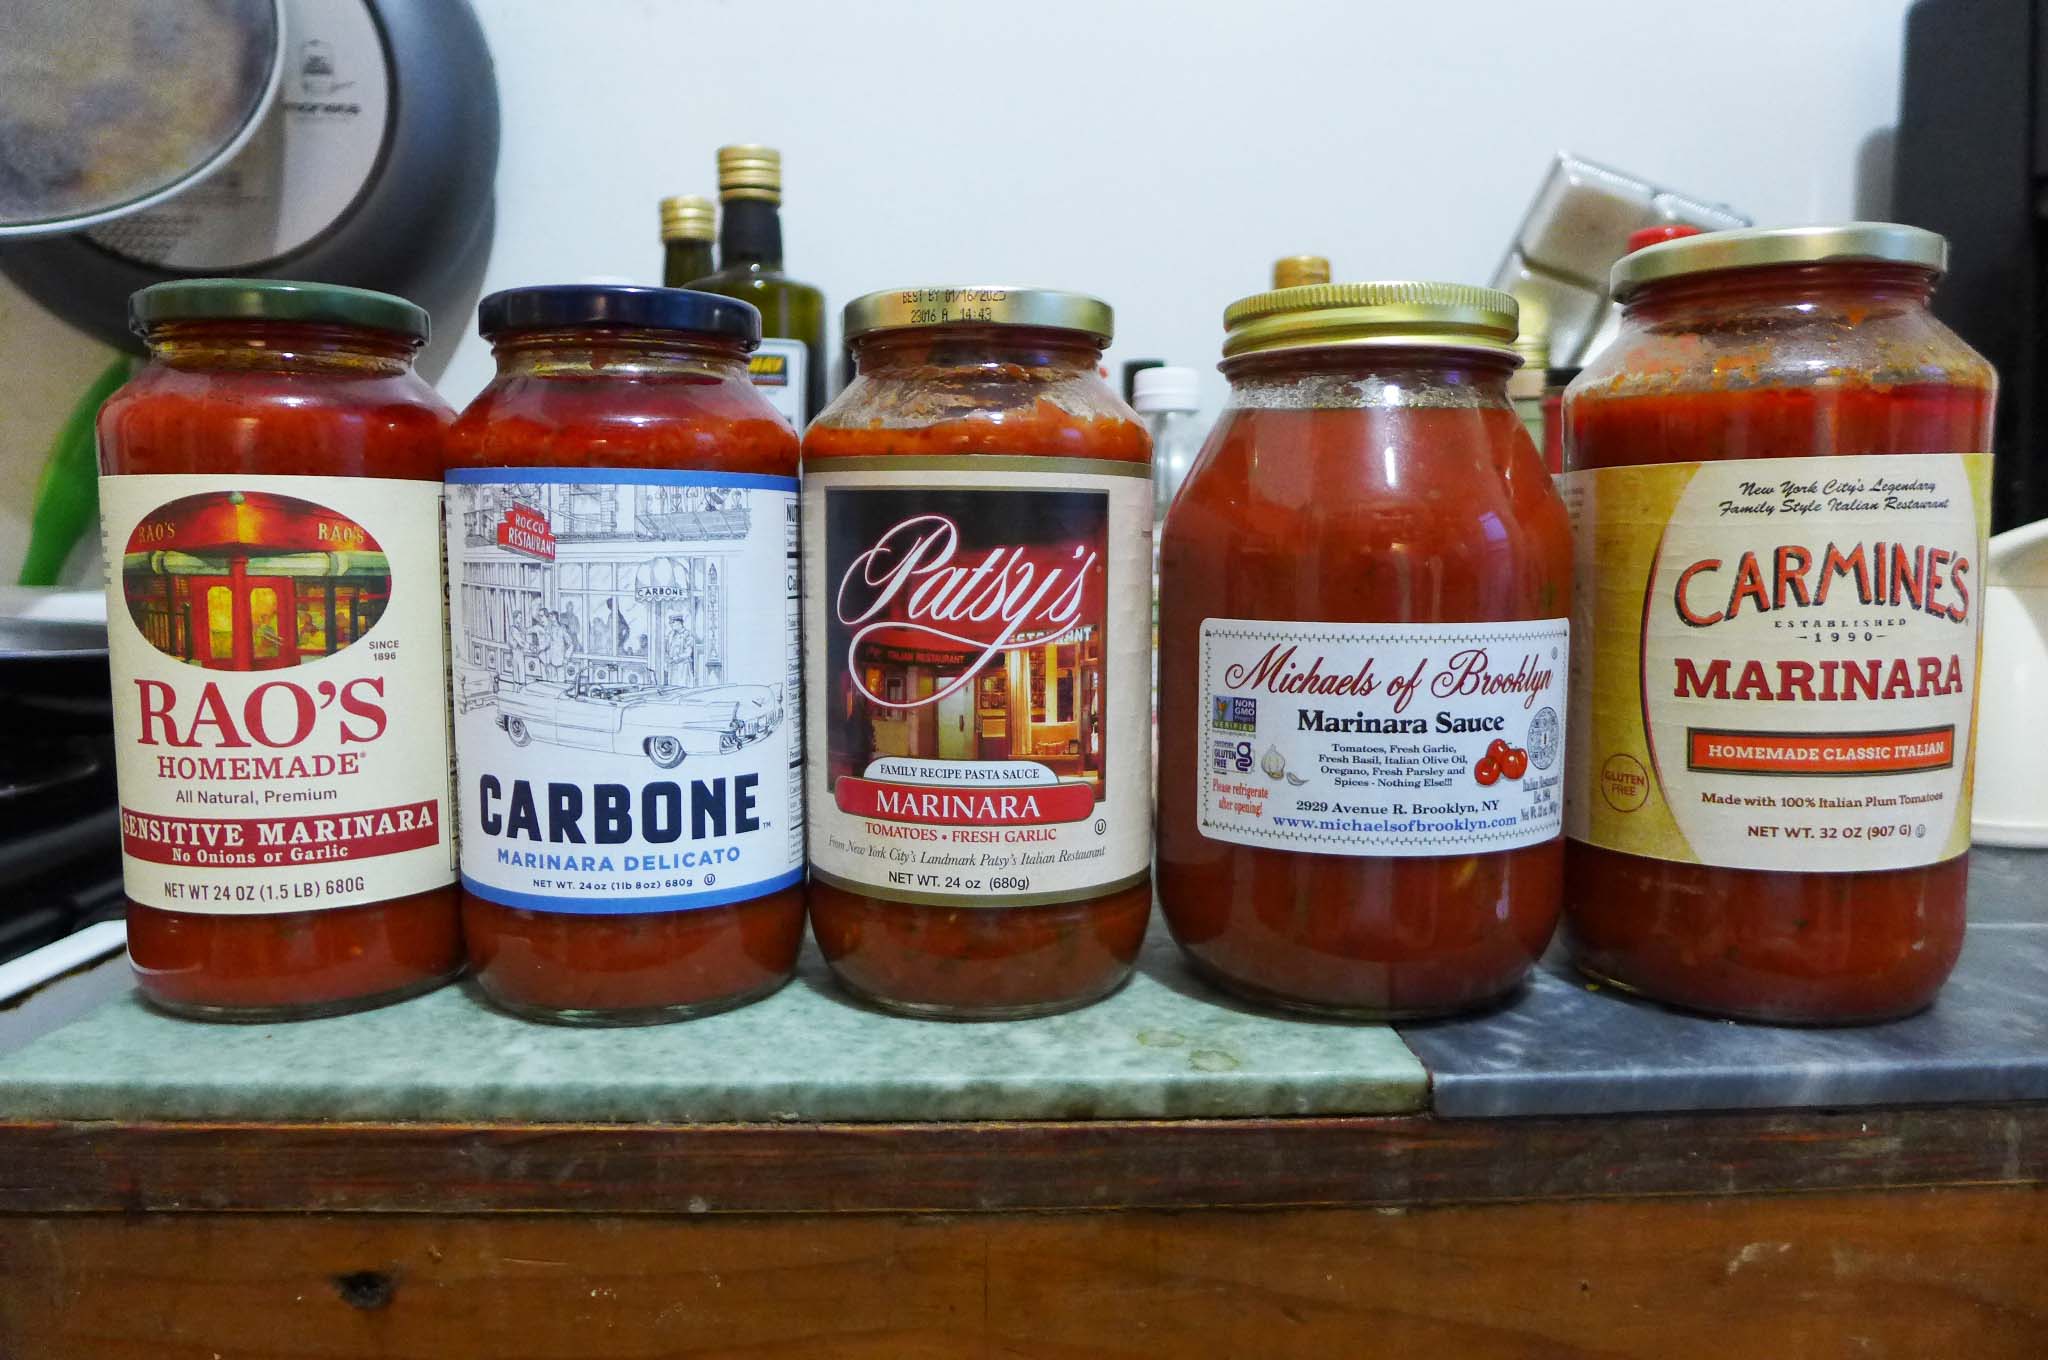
622	612
977	567
1363	656
1779	482
271	510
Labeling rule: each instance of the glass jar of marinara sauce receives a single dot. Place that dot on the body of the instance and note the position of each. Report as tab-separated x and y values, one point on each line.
622	610
1363	659
1779	477
271	508
977	566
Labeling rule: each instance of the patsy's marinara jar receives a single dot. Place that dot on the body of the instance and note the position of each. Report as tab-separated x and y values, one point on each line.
977	568
271	508
623	618
1779	482
1363	656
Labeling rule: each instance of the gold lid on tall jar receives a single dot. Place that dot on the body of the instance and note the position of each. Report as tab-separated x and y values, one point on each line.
1758	247
1293	271
750	171
689	217
1322	315
982	305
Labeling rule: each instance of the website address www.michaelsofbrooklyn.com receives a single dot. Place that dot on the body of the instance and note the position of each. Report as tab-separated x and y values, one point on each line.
1394	825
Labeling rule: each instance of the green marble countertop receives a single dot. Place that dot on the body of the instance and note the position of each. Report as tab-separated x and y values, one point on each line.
1163	1047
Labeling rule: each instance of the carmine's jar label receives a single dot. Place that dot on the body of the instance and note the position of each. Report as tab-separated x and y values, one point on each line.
278	665
625	661
1775	660
977	635
1381	738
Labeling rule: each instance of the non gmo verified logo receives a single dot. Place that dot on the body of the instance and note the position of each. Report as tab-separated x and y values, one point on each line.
1234	714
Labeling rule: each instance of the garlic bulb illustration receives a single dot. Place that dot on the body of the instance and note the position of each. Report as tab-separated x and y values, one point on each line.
1273	763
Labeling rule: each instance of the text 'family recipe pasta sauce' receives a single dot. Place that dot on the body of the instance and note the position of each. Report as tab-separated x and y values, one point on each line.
977	560
1780	492
622	566
271	507
1363	658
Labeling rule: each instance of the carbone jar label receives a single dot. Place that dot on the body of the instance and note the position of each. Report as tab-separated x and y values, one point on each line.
1381	738
625	661
978	649
277	656
1777	665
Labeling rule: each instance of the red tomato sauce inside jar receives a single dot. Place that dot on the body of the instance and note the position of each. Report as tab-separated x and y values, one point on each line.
955	958
233	398
1389	508
624	397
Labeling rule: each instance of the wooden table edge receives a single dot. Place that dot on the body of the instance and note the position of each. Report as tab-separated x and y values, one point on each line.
54	1166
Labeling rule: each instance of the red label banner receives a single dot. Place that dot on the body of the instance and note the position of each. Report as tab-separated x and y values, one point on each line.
526	530
1931	748
265	842
939	805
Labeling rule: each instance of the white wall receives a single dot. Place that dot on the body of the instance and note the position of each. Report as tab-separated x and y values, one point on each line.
1157	154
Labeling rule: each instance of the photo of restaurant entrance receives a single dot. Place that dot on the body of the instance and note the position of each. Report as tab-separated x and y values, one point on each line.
248	581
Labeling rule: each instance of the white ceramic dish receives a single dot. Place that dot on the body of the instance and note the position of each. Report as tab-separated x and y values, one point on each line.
2011	799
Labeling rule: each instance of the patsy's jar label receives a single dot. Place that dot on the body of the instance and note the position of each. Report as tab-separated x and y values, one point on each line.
625	684
977	639
278	664
1776	659
1381	738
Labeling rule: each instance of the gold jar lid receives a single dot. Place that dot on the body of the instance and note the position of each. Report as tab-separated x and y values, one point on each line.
689	217
1294	271
984	305
1757	247
1436	315
750	171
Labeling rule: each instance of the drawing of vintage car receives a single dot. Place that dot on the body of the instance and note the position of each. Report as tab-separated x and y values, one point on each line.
662	722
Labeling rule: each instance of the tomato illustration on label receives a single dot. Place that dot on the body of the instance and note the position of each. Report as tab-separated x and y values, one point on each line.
1514	762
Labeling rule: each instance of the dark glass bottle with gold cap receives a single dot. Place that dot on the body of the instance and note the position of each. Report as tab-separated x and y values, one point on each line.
789	368
689	224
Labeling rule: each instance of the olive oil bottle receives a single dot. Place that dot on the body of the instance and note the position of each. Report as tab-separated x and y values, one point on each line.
689	224
790	365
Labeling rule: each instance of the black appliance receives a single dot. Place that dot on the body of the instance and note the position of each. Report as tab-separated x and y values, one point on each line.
1972	164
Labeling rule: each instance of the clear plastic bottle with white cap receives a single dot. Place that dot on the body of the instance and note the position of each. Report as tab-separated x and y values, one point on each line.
1170	399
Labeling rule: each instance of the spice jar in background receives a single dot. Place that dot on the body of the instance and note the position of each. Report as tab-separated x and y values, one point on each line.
977	560
621	545
1363	660
271	507
1780	489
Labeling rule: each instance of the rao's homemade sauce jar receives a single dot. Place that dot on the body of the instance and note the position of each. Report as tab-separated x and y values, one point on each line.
977	567
622	601
1363	652
1780	488
271	505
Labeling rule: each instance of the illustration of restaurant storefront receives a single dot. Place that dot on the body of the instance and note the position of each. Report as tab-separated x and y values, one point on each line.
246	581
594	583
1041	701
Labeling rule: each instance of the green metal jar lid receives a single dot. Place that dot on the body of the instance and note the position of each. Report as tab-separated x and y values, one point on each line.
328	304
980	305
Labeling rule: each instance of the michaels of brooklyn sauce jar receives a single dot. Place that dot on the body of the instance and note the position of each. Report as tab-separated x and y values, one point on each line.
977	567
271	506
1363	651
1780	487
622	588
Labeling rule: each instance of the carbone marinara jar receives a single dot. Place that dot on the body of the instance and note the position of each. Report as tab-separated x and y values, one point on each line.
1780	493
271	506
622	607
977	566
1363	660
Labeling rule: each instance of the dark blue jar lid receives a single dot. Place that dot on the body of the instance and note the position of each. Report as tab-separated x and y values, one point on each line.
568	305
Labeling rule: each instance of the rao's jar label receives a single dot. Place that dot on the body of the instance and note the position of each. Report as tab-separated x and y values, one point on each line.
276	646
1777	659
1381	738
625	678
977	633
